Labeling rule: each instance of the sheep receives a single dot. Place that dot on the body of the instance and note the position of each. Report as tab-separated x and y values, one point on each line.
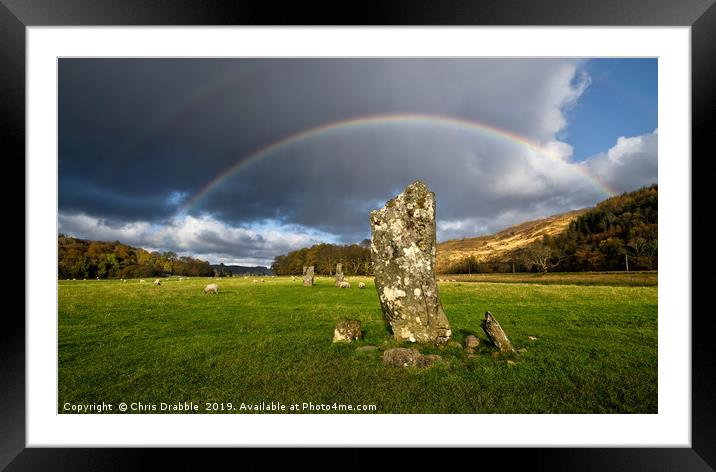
141	281
157	282
344	284
361	285
211	288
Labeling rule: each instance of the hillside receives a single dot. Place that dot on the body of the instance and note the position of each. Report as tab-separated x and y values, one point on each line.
500	247
619	233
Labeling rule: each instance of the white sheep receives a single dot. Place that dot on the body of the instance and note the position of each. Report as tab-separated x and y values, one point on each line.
361	285
344	284
157	282
211	288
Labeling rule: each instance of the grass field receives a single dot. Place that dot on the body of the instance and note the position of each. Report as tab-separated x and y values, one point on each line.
616	279
596	347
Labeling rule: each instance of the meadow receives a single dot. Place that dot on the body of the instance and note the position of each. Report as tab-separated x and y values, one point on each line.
255	343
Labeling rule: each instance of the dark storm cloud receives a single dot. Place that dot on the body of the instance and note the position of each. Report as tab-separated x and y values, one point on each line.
137	137
146	128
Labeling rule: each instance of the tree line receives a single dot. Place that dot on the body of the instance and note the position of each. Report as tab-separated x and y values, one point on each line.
355	258
82	259
620	233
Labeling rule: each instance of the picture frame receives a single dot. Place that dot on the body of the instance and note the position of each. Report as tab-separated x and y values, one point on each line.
16	15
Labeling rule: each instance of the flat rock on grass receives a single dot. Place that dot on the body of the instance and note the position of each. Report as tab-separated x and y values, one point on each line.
367	349
401	357
405	357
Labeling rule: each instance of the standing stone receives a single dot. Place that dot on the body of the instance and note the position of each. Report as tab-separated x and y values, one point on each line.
339	274
494	331
308	276
403	254
304	270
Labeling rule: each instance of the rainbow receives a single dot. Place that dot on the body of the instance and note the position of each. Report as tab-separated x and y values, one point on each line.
380	120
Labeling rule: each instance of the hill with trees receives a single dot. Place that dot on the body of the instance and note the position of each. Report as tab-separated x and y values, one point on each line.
79	258
620	233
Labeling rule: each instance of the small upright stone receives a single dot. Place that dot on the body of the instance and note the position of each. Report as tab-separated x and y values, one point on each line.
494	331
347	330
403	254
339	274
308	276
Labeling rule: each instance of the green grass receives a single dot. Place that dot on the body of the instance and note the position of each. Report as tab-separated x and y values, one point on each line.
596	350
616	279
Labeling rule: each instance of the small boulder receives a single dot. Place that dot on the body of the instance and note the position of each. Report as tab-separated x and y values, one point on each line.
347	330
472	341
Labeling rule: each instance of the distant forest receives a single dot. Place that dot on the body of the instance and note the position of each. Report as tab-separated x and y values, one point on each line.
324	257
618	231
81	259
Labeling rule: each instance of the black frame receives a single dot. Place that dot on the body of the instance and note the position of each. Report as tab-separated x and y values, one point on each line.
15	15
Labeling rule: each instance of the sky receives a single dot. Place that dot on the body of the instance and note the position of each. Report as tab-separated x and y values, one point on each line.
240	160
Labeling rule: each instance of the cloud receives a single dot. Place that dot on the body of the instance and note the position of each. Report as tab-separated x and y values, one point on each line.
631	163
203	237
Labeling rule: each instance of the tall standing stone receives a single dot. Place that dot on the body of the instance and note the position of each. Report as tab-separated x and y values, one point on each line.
403	254
308	276
339	274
